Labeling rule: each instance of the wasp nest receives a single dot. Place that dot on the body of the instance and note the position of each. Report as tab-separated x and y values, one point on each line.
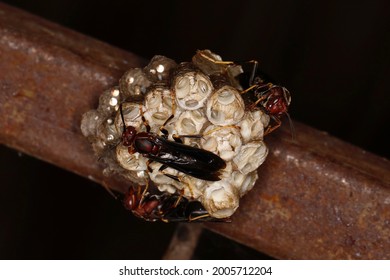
200	99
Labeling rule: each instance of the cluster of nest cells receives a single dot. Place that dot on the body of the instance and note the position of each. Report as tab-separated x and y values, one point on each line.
188	136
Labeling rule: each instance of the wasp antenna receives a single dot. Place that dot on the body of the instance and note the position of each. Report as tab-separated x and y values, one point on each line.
253	72
292	128
107	188
122	117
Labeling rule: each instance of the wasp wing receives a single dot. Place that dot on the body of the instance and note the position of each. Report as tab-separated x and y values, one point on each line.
193	161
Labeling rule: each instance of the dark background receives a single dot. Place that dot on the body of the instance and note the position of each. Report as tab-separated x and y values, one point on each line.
334	57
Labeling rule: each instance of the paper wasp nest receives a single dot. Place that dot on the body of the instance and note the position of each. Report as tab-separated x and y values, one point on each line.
202	98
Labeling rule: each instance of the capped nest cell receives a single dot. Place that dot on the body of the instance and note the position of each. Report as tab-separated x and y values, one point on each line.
199	102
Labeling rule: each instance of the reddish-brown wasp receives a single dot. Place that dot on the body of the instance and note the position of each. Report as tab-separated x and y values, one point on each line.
190	160
166	207
259	91
273	99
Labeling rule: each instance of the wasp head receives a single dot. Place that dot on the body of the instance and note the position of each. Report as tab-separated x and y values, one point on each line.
130	200
278	100
128	136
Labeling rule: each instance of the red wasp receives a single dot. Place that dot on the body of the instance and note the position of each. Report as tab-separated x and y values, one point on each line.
272	99
260	93
166	207
193	161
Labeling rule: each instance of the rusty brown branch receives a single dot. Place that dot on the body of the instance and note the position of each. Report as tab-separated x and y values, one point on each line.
317	197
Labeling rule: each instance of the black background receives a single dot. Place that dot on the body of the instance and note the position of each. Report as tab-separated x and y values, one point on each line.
334	57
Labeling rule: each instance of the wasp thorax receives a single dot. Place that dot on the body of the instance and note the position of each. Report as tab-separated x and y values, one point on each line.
278	101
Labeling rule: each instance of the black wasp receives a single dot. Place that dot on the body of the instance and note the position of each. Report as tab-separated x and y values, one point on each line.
193	161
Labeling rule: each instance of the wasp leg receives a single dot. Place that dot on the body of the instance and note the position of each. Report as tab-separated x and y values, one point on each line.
122	117
144	121
178	138
271	128
221	127
179	197
150	170
162	128
179	179
108	189
212	60
195	212
193	219
174	177
207	218
254	63
253	72
254	105
144	192
258	87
